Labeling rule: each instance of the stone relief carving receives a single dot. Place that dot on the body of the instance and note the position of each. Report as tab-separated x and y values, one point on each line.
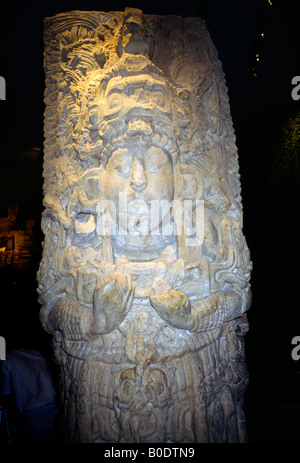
144	280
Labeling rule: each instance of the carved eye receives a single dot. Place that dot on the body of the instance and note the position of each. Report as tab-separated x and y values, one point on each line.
121	162
123	169
153	167
155	160
158	97
115	100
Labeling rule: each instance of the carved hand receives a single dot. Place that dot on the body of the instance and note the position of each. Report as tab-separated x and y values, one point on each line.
112	301
174	307
209	312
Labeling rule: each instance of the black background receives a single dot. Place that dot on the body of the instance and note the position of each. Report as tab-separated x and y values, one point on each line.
261	108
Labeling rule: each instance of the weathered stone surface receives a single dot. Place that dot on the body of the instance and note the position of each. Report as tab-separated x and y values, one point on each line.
147	310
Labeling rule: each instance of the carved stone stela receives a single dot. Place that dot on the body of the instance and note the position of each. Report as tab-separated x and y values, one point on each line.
144	280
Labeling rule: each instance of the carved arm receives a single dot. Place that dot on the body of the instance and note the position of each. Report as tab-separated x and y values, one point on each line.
207	313
111	303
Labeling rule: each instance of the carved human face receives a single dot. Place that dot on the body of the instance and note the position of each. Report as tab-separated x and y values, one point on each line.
142	95
141	175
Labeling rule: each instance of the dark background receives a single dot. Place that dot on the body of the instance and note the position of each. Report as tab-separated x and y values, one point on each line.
266	122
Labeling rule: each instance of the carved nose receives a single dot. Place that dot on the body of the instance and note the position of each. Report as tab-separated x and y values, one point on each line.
138	178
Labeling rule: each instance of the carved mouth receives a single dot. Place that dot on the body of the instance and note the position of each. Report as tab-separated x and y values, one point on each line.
139	223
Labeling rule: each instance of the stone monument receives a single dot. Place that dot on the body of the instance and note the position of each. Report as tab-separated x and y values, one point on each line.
144	280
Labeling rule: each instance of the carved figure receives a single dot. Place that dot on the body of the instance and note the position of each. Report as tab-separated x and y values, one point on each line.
144	280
